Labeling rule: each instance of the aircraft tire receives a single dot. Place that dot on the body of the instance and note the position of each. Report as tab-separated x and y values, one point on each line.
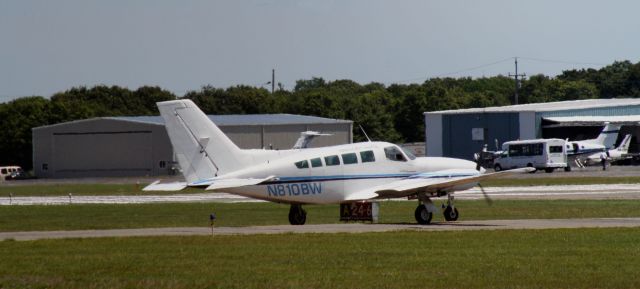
423	217
549	170
297	215
567	168
451	214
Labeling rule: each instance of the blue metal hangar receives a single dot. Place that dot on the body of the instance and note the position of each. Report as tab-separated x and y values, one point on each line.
140	146
461	133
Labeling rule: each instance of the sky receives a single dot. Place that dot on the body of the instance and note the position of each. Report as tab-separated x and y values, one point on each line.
50	46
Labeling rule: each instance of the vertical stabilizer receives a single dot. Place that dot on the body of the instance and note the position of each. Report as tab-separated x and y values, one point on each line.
608	135
201	148
623	147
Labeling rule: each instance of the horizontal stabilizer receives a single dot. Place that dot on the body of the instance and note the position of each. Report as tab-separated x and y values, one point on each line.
234	183
157	186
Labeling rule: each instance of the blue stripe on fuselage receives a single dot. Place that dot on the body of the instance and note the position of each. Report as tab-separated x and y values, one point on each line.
283	180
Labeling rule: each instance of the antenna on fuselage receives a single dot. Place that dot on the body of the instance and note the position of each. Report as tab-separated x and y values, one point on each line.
365	133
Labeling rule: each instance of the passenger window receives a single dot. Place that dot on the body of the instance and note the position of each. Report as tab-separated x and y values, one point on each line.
367	156
4	171
332	160
555	149
302	164
349	158
317	162
394	154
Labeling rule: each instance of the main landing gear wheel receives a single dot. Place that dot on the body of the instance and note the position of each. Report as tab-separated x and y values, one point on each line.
451	214
297	215
423	216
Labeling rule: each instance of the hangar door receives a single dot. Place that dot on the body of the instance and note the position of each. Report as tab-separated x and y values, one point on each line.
107	154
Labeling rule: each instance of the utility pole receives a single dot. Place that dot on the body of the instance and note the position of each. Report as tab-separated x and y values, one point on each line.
273	80
517	80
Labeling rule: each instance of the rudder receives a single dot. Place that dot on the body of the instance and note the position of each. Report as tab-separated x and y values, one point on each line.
201	148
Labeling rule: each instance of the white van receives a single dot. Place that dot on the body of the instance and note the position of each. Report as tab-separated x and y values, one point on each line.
547	154
8	170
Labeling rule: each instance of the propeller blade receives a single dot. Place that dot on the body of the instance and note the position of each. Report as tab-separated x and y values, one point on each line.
486	196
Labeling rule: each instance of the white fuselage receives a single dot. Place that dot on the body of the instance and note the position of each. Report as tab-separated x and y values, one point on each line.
307	176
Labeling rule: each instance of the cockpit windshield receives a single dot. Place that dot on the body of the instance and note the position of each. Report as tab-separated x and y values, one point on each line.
408	153
393	153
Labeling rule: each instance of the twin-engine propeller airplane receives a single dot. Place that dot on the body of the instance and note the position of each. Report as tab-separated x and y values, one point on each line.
336	174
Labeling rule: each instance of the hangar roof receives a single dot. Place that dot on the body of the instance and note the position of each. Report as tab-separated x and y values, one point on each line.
246	119
230	119
560	121
548	106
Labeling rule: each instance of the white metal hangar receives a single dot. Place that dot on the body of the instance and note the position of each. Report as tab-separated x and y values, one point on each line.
461	133
140	146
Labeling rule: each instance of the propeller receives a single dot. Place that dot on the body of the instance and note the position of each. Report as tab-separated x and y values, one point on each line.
479	168
486	196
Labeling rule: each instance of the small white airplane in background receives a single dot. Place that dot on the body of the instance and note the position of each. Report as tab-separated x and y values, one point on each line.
614	154
336	174
306	137
605	140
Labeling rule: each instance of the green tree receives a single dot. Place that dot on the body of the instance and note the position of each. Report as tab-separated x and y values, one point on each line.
17	118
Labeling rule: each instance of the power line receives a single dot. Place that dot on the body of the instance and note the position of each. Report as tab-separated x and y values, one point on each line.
474	68
562	61
454	72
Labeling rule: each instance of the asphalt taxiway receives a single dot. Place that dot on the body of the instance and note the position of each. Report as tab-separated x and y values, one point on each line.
330	228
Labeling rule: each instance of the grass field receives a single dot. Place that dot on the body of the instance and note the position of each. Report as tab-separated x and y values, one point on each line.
136	189
76	216
569	258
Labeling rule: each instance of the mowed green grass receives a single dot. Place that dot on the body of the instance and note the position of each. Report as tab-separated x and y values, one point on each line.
136	189
567	258
78	216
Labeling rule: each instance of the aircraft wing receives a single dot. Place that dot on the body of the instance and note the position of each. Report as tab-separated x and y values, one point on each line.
232	183
416	184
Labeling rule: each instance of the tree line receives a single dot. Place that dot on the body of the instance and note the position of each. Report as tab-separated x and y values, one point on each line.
386	112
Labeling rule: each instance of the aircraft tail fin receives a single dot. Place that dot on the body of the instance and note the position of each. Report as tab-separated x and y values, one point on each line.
608	135
201	148
623	147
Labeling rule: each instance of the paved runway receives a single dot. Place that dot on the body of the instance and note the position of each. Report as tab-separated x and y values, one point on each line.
330	228
610	191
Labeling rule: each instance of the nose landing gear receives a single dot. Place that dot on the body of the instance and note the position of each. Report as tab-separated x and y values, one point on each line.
450	212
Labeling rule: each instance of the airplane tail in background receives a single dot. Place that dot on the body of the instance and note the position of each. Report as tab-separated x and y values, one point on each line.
201	148
608	135
623	147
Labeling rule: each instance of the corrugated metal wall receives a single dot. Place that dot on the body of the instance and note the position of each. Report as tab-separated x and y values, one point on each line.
116	148
457	132
101	148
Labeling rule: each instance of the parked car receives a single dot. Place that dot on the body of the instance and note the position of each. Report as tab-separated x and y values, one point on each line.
19	175
6	171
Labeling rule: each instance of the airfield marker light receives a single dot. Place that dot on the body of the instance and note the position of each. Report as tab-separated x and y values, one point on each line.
69	198
10	198
212	218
